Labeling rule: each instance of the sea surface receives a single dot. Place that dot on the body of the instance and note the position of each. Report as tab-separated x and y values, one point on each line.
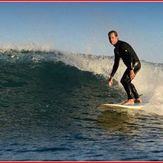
49	109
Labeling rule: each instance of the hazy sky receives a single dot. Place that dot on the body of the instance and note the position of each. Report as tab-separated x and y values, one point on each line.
83	27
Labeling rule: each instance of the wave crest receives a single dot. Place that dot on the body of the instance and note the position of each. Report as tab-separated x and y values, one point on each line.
148	81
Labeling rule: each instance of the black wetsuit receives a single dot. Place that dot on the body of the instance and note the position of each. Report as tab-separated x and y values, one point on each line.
124	51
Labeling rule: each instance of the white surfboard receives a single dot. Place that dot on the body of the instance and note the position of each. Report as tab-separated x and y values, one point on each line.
119	107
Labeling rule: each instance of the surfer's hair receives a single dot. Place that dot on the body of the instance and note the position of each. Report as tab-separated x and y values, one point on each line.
115	33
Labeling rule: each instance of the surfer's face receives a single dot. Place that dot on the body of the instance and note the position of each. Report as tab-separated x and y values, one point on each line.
113	39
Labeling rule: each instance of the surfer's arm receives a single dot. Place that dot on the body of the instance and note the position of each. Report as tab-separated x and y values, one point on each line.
116	64
128	51
114	69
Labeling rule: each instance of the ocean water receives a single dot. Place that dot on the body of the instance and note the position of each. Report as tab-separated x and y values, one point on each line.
48	109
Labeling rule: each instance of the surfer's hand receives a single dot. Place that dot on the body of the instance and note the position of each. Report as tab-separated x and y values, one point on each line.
132	74
110	81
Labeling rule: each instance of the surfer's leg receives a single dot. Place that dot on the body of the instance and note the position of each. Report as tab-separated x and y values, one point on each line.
137	67
134	91
126	82
136	95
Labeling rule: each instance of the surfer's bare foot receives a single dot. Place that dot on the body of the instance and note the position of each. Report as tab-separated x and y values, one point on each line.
138	100
129	102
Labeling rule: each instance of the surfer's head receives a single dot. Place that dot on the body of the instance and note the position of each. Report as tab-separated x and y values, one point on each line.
113	37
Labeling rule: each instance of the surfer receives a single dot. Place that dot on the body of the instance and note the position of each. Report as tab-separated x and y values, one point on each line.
125	52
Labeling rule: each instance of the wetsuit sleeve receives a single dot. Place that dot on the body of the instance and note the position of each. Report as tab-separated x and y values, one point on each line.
128	51
116	63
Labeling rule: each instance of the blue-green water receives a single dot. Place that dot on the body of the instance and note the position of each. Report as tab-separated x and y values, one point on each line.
48	111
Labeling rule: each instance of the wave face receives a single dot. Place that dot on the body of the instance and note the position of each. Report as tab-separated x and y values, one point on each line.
48	111
148	81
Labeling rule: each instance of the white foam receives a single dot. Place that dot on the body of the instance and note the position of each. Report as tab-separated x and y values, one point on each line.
148	81
30	46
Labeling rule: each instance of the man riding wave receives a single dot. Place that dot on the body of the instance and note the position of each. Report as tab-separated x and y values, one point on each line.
125	52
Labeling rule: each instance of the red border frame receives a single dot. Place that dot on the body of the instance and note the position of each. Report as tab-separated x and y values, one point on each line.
81	1
80	161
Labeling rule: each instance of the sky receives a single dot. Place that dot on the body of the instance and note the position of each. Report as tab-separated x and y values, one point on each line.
83	27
